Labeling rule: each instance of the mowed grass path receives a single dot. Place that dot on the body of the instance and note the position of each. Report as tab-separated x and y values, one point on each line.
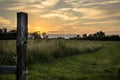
100	65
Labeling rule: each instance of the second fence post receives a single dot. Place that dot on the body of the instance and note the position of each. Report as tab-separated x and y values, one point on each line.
22	31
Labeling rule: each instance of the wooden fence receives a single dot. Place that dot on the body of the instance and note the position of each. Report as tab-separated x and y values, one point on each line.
21	47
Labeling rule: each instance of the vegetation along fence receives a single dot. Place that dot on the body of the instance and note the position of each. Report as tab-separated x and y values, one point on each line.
21	46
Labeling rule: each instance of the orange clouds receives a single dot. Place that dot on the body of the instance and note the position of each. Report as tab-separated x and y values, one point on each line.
4	21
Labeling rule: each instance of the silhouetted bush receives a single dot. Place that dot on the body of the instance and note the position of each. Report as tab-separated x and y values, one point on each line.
98	36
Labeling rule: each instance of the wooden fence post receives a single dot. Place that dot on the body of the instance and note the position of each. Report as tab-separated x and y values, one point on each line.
22	31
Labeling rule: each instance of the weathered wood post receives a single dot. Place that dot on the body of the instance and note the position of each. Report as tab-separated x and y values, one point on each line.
22	31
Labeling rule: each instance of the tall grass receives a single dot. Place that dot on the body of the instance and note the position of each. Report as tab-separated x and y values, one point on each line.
7	52
100	65
89	65
46	50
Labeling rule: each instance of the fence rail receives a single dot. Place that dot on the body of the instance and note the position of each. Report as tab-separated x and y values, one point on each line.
21	47
7	69
8	36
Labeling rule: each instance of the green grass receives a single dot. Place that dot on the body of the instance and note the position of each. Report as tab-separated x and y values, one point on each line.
46	50
49	50
100	65
7	53
86	60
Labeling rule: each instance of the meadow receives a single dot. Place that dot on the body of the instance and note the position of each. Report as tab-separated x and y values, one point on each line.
66	59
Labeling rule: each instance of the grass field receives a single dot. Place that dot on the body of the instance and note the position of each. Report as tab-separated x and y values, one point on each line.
68	60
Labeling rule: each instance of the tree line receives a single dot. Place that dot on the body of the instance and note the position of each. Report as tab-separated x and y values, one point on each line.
97	36
5	30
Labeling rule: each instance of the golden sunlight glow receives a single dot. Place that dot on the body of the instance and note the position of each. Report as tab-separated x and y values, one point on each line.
38	28
64	16
89	12
4	21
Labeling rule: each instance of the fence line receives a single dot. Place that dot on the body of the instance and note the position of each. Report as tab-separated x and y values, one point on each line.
21	47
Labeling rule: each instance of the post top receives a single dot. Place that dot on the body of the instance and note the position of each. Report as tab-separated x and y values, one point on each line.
22	12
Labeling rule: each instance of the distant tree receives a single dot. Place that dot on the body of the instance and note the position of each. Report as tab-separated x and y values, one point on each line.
13	31
44	35
60	38
102	34
4	30
106	38
78	36
115	37
1	31
91	37
84	36
99	35
36	35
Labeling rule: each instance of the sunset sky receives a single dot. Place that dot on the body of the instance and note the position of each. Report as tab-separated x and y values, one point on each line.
64	16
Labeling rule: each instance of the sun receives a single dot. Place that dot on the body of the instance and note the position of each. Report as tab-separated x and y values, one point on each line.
38	28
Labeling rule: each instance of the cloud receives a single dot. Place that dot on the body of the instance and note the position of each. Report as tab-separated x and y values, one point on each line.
70	15
65	9
104	13
110	9
107	23
48	3
28	0
4	21
16	8
87	3
73	23
88	12
28	5
62	16
61	13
